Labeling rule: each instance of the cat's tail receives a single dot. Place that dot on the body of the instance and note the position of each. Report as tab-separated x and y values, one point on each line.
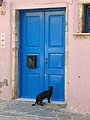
34	104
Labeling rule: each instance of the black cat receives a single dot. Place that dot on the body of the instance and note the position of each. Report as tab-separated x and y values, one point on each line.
43	95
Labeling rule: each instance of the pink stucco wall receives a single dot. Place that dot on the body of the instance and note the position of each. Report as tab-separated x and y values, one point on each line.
5	53
78	93
79	67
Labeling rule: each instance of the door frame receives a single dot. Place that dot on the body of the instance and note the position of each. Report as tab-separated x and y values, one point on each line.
15	52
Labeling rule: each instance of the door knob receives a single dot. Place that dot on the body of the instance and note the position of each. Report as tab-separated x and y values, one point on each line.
45	75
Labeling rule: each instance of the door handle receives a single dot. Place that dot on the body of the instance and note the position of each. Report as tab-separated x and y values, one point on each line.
46	61
45	75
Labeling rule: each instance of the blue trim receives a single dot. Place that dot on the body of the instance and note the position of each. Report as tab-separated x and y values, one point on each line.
86	20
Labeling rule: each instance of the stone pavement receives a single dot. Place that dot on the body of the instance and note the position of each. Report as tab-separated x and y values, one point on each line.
22	110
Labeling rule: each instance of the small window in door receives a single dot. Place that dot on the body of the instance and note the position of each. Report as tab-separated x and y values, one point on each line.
31	61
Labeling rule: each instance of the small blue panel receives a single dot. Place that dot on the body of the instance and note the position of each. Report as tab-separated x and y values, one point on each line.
56	30
58	82
56	61
34	84
33	28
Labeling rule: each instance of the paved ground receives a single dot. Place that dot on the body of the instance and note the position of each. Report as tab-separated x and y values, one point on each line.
22	110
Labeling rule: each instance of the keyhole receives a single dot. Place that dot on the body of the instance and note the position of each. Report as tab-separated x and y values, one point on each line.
46	61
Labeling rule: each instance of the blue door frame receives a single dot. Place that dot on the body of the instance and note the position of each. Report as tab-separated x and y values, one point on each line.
42	34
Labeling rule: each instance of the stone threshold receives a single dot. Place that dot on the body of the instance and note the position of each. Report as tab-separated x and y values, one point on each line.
53	103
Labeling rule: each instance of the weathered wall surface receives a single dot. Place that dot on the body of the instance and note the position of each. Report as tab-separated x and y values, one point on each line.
5	53
79	65
78	46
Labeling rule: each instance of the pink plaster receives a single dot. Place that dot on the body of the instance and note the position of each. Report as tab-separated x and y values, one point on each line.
78	96
78	67
5	53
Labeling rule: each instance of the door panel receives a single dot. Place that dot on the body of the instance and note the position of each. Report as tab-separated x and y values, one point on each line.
58	82
42	52
55	52
32	44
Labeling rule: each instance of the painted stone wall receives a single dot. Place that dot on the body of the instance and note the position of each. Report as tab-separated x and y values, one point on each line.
79	65
5	51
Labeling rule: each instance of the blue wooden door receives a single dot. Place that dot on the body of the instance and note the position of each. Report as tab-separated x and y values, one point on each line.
32	42
55	52
42	40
